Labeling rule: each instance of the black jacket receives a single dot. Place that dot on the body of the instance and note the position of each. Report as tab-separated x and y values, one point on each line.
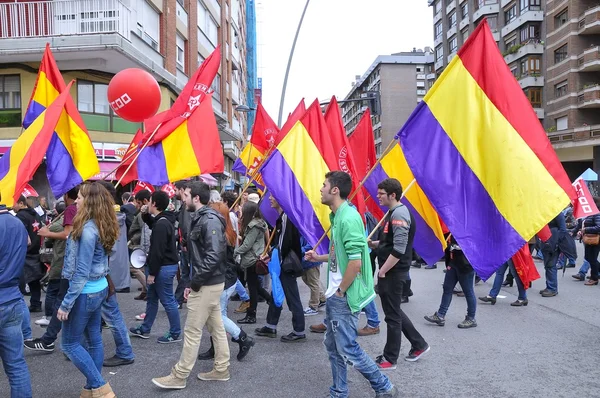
185	222
32	223
207	246
162	241
130	211
291	238
230	269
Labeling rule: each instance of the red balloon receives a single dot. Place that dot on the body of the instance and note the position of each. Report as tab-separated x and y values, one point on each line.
134	95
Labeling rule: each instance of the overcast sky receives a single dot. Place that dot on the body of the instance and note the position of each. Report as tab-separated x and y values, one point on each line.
338	40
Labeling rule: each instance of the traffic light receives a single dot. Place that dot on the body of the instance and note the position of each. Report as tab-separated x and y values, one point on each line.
374	101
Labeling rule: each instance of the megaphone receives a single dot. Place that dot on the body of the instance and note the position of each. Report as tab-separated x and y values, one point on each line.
138	258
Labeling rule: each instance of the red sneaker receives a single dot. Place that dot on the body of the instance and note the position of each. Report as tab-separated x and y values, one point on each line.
414	355
384	364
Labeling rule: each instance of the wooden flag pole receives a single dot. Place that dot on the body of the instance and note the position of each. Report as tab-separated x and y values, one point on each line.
268	243
250	179
386	214
138	154
353	194
121	163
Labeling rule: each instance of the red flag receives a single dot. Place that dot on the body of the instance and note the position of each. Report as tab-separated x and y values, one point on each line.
341	147
525	267
140	186
29	191
264	131
169	189
362	143
584	205
192	94
291	120
545	233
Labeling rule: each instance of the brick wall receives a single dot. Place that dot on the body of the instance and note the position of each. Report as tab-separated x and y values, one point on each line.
168	35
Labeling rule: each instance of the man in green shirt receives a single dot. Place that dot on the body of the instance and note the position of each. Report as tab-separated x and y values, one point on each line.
349	289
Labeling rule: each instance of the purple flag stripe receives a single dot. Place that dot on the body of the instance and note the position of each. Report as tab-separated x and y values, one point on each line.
152	165
62	174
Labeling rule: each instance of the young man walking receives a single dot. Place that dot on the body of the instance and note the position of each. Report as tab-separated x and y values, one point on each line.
349	289
162	269
394	254
208	258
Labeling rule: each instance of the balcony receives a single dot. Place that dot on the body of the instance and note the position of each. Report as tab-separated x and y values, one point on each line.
486	9
589	97
437	17
531	80
504	3
463	23
528	16
438	40
439	64
451	32
575	137
231	150
450	7
589	22
589	60
519	51
182	20
451	56
431	76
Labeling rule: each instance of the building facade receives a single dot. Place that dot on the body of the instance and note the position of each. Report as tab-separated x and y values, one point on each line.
92	40
518	27
402	81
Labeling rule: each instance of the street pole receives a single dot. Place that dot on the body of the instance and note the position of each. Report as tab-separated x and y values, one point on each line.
287	71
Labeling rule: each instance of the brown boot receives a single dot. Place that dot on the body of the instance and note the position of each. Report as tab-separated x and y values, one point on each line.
103	392
142	296
85	393
368	331
243	307
319	328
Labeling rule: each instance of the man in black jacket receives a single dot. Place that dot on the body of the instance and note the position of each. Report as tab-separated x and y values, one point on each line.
287	240
162	268
207	246
394	254
33	267
184	219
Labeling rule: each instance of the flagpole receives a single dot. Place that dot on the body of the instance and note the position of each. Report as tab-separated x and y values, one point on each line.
287	71
353	194
138	154
251	178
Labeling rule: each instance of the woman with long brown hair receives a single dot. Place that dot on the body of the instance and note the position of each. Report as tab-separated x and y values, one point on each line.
238	335
95	231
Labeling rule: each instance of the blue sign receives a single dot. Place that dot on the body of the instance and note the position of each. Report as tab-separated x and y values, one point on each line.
260	82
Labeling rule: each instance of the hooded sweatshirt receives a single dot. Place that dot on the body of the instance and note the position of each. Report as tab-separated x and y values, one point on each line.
254	243
163	249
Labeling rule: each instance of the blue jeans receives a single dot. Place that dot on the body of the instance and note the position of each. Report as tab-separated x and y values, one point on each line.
51	296
230	326
585	267
26	322
343	350
550	260
55	325
500	278
11	348
372	314
113	318
162	289
241	291
84	321
467	282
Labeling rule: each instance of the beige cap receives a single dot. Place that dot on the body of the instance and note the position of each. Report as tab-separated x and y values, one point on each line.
253	197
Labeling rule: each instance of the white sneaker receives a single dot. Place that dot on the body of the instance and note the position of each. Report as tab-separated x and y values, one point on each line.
310	312
43	321
140	317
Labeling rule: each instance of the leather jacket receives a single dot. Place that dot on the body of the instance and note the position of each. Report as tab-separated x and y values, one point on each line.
207	246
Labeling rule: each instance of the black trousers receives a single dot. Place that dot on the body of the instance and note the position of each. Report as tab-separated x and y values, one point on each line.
35	288
391	292
292	297
254	290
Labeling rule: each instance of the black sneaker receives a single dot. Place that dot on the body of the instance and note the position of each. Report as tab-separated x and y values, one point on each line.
322	304
116	361
35	308
266	332
138	333
38	345
393	393
293	338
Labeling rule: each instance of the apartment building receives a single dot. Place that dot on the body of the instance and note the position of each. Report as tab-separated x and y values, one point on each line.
573	82
402	80
518	27
92	40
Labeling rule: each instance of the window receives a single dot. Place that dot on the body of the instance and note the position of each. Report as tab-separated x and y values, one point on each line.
92	102
438	6
452	45
562	123
530	5
530	32
561	89
207	24
10	101
148	23
200	59
452	19
523	68
213	31
533	65
439	53
493	22
438	30
535	96
464	10
560	54
561	18
216	87
180	53
510	15
514	70
465	34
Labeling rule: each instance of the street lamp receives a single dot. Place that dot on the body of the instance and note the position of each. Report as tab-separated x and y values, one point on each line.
244	108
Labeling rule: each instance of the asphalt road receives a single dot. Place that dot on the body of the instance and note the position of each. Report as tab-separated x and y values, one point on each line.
547	349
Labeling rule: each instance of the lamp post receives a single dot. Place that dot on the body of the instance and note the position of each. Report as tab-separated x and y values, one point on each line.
287	71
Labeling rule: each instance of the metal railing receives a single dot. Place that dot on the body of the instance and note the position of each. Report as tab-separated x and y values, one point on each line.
63	17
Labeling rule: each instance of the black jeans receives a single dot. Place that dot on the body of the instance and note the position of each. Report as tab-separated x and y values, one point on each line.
184	280
35	287
591	255
391	292
51	295
255	289
55	325
292	297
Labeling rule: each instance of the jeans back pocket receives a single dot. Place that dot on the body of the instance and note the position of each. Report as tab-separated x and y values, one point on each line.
94	300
